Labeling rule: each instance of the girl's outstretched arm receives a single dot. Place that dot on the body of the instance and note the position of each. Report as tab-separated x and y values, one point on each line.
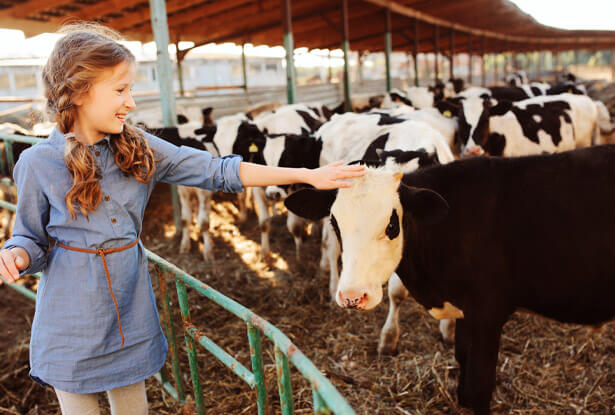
326	177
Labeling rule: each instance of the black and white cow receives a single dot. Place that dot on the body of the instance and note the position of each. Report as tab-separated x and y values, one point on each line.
517	78
533	126
512	223
233	134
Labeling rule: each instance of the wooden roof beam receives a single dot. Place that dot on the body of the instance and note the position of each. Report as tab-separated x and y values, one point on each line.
30	7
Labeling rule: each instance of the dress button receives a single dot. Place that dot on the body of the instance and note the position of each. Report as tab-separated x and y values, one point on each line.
113	220
107	198
97	153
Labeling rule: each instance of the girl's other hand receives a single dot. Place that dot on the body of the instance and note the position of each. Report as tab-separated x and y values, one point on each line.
330	176
11	262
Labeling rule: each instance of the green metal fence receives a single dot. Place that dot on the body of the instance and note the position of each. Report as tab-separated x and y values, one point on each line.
326	398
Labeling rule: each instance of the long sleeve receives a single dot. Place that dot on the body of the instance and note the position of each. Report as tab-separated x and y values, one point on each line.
191	167
32	216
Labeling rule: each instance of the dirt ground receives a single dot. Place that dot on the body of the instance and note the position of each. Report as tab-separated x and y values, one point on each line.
544	367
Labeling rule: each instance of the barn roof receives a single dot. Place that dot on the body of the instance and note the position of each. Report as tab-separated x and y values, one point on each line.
316	23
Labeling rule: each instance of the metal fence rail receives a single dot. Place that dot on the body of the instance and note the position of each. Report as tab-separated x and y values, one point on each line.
325	397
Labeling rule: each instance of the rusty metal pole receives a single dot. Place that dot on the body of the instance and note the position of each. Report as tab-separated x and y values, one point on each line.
436	41
452	55
415	52
345	45
470	58
387	47
289	47
483	74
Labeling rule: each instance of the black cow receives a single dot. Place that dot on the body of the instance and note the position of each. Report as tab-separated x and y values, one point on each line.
531	233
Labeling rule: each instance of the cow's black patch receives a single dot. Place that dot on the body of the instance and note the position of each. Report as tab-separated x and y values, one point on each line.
250	143
392	230
301	151
563	88
182	119
536	91
378	143
336	229
495	144
386	119
547	117
395	97
312	123
510	93
171	135
207	119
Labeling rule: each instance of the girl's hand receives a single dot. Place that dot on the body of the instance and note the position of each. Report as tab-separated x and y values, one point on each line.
329	176
11	262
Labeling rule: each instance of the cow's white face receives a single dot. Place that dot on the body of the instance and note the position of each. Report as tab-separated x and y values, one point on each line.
371	235
368	219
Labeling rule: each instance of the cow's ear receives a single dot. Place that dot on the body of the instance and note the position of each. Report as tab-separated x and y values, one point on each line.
311	203
209	131
426	206
502	107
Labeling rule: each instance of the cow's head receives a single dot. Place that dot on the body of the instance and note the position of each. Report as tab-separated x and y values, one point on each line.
473	119
371	219
250	143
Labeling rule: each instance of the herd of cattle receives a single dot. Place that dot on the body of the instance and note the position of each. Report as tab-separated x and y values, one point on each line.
472	239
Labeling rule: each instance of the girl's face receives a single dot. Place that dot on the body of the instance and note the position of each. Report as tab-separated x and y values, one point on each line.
103	108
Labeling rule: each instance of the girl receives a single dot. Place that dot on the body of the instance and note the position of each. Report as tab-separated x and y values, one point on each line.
96	325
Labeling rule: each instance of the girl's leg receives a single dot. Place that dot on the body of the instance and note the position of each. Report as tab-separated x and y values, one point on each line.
128	400
77	403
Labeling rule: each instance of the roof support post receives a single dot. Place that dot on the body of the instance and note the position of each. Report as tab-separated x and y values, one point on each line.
482	61
452	55
345	45
415	51
330	70
470	58
388	46
436	43
613	64
180	75
243	67
160	29
289	47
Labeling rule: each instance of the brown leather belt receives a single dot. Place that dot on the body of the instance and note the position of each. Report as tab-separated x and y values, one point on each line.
102	253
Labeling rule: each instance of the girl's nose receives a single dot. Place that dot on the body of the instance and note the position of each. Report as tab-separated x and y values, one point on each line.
130	103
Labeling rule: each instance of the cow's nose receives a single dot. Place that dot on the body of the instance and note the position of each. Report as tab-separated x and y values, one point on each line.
353	299
473	151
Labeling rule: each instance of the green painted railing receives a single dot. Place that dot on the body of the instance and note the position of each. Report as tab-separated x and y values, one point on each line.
326	398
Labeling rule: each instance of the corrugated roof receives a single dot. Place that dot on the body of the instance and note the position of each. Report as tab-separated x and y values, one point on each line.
316	23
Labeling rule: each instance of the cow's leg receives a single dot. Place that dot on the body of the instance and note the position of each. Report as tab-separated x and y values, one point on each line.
389	335
264	220
481	362
447	329
186	214
315	230
462	350
204	197
242	199
297	227
326	229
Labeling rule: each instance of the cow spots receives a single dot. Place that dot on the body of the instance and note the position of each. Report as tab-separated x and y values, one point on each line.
312	123
495	144
547	117
336	229
378	143
386	119
392	230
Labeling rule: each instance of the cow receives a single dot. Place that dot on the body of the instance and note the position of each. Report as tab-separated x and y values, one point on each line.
511	223
233	134
533	126
517	78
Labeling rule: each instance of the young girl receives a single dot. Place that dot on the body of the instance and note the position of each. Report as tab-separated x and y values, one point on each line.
96	325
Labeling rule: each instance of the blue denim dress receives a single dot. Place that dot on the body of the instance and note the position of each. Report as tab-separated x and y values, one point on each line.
75	343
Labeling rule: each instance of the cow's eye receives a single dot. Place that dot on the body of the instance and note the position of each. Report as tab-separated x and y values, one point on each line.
392	230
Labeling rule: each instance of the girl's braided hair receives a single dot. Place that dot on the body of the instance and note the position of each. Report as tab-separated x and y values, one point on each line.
78	58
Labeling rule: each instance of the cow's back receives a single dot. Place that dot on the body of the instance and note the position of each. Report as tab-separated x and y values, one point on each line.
532	232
